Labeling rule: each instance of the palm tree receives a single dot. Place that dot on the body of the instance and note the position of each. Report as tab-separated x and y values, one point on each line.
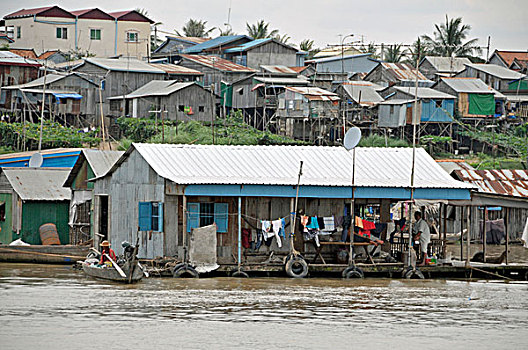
226	32
260	30
370	48
449	37
195	28
283	39
419	49
306	45
154	41
393	53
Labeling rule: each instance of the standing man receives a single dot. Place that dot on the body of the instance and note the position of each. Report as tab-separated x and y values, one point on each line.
421	233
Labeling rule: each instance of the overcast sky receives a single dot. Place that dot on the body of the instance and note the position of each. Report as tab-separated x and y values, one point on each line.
383	21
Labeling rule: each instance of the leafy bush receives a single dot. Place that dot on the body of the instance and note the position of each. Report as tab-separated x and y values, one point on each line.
379	141
26	136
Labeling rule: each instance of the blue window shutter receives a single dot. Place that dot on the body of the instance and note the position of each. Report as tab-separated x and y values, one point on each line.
160	218
144	217
193	216
221	216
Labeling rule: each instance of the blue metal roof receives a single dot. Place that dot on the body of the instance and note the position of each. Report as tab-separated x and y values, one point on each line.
60	158
221	40
247	46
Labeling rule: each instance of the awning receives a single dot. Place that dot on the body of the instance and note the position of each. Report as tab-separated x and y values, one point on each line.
67	95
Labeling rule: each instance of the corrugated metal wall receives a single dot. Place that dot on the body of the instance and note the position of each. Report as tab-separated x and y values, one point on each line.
35	214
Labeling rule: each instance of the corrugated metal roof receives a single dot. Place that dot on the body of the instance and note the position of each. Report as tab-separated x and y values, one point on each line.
125	65
170	68
314	93
11	58
28	12
448	64
101	161
403	71
278	69
497	71
155	88
337	58
216	42
468	85
450	165
369	96
396	102
423	92
509	56
41	184
283	80
50	78
375	86
279	165
26	53
248	45
218	63
504	182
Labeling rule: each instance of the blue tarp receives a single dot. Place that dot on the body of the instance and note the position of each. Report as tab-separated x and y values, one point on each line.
67	95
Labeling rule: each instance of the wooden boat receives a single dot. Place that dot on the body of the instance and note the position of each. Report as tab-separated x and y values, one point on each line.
110	273
45	254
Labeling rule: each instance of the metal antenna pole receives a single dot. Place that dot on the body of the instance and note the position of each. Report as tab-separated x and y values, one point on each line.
292	248
352	211
42	111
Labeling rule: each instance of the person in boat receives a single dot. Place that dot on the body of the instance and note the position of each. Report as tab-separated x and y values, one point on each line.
106	250
421	233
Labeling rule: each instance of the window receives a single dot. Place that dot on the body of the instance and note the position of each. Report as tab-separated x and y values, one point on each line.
132	37
18	32
115	105
181	108
95	34
2	211
203	214
438	103
62	33
391	109
150	216
201	109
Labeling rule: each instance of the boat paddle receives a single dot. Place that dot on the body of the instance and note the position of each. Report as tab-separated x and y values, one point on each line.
143	269
116	266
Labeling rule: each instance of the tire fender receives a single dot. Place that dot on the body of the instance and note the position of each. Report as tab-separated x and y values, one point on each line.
185	271
296	267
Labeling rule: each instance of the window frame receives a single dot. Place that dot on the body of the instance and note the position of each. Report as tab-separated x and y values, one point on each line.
61	33
220	216
146	216
18	32
132	33
95	31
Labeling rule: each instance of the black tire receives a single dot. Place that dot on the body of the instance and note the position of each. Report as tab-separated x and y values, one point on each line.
296	267
185	271
240	274
177	267
414	274
352	272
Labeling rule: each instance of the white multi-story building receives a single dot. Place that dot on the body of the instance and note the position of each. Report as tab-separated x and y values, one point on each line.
94	31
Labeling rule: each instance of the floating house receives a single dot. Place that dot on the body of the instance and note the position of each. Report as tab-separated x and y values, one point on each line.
159	192
168	99
90	164
359	100
493	75
434	67
401	74
31	197
474	98
266	51
436	106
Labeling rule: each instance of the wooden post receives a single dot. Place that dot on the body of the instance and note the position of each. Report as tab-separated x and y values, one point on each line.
506	210
462	233
468	224
239	262
444	227
484	236
184	228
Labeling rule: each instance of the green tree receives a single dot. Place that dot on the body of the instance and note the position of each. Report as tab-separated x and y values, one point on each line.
419	49
306	45
260	30
449	39
226	32
393	53
370	48
195	28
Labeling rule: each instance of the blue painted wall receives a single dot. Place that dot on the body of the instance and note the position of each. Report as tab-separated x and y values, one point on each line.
432	113
324	192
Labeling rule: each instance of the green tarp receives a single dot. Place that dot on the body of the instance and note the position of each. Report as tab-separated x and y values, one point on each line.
481	104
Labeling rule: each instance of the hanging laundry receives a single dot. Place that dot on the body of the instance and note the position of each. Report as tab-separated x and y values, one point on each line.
282	231
320	223
260	239
329	224
246	235
277	227
266	229
312	234
313	223
339	221
359	222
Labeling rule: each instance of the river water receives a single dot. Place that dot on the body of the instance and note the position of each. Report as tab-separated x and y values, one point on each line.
56	307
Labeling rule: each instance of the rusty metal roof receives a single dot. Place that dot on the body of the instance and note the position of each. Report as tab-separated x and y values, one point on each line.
504	182
218	63
314	93
278	69
403	71
170	68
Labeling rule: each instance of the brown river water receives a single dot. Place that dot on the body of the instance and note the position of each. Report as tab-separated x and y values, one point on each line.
56	307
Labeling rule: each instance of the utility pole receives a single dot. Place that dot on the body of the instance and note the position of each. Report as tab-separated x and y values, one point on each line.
42	111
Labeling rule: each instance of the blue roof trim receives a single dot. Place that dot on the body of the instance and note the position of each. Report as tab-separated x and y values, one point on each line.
325	192
221	40
53	160
67	95
248	45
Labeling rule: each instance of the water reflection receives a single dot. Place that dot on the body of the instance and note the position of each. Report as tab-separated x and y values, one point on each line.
52	301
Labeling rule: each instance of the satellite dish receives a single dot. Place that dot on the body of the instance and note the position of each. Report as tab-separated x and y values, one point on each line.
36	160
352	138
